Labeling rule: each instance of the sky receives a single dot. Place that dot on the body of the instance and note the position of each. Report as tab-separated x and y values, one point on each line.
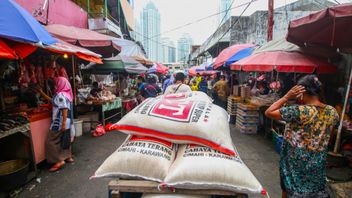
174	13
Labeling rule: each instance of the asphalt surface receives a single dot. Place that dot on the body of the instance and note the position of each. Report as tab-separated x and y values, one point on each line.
73	181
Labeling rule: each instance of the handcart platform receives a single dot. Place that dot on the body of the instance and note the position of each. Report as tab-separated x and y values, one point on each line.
118	187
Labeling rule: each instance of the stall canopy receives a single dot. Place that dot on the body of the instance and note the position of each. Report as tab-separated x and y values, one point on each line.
118	64
99	43
158	68
199	69
209	67
239	55
64	47
283	62
6	52
18	24
280	44
330	27
143	60
129	48
228	53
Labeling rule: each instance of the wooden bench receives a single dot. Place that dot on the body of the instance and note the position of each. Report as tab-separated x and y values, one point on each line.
118	187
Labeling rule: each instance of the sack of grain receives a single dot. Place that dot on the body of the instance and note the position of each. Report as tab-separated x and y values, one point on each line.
139	158
173	196
183	121
194	95
198	167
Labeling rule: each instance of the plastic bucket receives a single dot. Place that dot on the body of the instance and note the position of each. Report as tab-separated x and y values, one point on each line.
78	127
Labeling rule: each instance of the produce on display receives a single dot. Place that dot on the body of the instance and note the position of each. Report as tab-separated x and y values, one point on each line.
139	158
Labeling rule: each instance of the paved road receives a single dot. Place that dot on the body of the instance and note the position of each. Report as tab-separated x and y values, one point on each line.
73	181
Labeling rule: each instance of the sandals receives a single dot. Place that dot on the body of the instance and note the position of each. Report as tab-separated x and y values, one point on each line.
70	160
57	166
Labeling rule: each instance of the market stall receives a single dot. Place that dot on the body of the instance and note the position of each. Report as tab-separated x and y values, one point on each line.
331	32
264	89
115	75
29	56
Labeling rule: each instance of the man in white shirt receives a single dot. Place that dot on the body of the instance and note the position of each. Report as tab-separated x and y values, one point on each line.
178	86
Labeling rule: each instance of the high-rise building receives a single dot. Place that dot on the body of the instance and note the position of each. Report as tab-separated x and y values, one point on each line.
137	31
150	29
184	48
168	50
224	7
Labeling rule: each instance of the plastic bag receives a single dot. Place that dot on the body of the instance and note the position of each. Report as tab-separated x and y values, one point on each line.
99	131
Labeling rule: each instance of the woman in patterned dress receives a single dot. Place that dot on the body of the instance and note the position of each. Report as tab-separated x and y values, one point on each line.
305	145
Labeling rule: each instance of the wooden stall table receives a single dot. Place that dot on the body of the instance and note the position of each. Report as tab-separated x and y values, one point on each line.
107	106
110	106
118	187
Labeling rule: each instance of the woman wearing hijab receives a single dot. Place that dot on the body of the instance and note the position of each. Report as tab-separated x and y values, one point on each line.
58	144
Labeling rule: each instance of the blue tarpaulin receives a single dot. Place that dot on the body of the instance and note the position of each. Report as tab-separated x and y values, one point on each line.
238	56
18	24
209	67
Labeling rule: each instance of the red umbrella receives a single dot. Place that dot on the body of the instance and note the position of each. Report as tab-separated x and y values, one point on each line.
6	52
283	61
160	68
330	27
228	52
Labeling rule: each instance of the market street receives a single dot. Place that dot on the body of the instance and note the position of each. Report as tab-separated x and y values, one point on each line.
73	181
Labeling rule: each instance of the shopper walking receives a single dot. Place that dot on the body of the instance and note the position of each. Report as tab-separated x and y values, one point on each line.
221	92
203	85
58	144
305	145
178	86
150	88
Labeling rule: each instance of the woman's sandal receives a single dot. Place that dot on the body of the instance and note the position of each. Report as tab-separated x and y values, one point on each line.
57	166
70	160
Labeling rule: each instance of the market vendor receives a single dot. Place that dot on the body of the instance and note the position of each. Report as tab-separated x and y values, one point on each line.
58	144
95	90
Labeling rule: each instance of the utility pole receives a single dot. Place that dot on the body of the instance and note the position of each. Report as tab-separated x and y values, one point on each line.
270	19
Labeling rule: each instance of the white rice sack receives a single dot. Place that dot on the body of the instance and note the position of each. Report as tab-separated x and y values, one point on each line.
183	121
194	95
173	196
139	158
198	167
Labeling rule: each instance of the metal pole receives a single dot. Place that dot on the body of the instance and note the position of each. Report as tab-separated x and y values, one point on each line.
270	19
106	8
74	80
338	136
88	7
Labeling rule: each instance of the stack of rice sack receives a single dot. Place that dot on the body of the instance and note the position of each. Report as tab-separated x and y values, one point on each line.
180	140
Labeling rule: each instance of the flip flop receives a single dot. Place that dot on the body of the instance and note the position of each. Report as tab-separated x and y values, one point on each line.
70	160
57	167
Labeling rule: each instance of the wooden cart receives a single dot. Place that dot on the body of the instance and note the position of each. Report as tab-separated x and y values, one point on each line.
118	187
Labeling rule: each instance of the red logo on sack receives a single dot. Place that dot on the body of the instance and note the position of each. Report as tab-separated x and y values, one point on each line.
151	139
176	96
176	110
